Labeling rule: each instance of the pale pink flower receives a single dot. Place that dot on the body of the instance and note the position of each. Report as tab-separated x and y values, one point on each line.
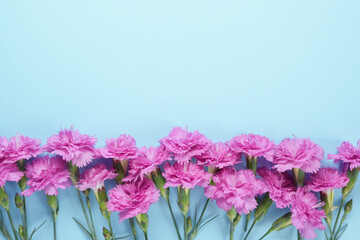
48	175
305	215
186	175
18	148
94	178
235	189
298	153
9	172
72	146
253	145
348	154
121	148
132	198
327	179
147	160
184	145
218	155
280	186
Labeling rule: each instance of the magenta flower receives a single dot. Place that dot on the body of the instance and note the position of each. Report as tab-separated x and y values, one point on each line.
305	213
184	145
327	179
132	198
94	178
9	172
253	145
48	175
218	155
121	148
298	153
348	154
280	186
18	148
147	160
72	146
185	175
235	189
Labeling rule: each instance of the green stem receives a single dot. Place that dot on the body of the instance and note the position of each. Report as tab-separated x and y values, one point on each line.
111	229
90	213
267	233
329	226
25	219
252	225
202	214
173	218
231	230
247	219
145	235
299	236
85	214
185	234
54	224
12	224
338	215
132	225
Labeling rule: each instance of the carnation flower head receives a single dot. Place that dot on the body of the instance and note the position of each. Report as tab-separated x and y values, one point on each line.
94	178
305	215
298	153
235	189
72	146
184	145
218	155
121	148
253	145
185	175
280	186
327	179
9	172
18	148
47	174
132	198
147	160
348	154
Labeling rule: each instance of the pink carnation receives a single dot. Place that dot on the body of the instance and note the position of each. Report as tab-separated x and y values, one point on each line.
348	154
148	160
48	175
132	198
253	145
9	172
72	146
218	155
305	215
327	179
95	177
298	153
121	148
185	175
18	148
184	145
280	186
235	189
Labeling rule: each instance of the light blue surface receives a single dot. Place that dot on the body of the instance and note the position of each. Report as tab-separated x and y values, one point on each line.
275	68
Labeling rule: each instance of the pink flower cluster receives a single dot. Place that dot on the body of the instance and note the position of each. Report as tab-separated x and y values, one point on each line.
186	159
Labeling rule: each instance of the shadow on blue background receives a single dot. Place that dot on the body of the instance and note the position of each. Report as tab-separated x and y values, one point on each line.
275	68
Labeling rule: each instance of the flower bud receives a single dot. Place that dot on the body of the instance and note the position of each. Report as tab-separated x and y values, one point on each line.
183	200
263	207
4	199
19	203
348	206
352	175
143	221
188	225
22	183
282	222
159	181
106	234
21	231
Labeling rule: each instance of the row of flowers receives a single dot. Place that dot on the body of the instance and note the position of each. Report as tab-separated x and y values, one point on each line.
288	174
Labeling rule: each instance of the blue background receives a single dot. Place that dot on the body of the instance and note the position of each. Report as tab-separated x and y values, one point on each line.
275	68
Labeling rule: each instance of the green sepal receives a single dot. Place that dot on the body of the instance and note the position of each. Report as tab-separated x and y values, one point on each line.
282	222
53	203
352	175
263	207
143	221
159	181
188	224
106	234
4	199
183	200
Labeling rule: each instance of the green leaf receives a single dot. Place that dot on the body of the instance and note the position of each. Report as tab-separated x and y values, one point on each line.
205	223
342	231
82	227
35	229
195	215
